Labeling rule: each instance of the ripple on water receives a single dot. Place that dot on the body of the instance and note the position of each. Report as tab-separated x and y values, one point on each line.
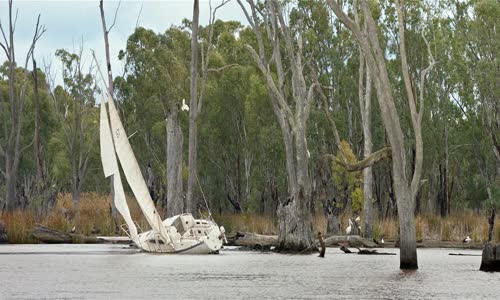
112	271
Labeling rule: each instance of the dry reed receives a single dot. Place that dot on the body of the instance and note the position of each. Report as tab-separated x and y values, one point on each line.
94	216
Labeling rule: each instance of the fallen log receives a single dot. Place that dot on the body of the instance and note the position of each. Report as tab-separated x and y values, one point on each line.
373	252
351	240
262	242
51	236
252	240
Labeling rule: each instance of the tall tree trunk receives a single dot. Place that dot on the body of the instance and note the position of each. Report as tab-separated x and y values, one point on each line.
175	203
193	112
294	214
367	152
36	142
404	188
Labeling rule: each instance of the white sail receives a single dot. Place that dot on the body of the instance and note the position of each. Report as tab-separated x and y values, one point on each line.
110	167
133	174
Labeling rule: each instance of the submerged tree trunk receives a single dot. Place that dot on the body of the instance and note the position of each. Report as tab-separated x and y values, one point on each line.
405	189
294	214
175	202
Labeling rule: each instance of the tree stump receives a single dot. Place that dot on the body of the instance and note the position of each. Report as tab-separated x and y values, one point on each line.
490	260
322	244
3	233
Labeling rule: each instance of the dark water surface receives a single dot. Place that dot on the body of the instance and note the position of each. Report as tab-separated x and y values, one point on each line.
117	272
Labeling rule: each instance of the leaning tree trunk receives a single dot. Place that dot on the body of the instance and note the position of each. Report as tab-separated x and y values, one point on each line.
175	201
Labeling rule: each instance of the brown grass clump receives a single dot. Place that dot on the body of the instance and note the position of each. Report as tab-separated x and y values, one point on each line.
244	222
19	225
94	215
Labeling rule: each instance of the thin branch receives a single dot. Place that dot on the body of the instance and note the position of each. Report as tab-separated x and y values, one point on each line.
422	78
222	68
4	37
138	17
114	19
28	146
365	163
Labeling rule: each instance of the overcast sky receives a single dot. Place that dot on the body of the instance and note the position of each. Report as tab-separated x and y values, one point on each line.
70	22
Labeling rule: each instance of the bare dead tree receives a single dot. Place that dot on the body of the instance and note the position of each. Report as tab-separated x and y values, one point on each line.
12	151
106	30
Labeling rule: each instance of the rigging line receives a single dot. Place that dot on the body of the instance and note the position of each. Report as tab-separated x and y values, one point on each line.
100	73
203	194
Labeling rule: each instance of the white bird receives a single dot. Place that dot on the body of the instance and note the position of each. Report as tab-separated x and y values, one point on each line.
184	105
467	240
349	228
382	241
73	229
357	219
308	154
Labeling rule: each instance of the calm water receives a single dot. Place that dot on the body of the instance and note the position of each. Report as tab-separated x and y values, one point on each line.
117	272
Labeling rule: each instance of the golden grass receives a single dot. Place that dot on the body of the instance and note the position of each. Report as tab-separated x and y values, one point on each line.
93	214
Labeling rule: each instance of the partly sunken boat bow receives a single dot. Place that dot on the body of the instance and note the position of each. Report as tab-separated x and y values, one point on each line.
178	234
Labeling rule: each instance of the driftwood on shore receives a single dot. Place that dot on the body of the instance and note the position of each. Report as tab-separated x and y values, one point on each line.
260	241
51	236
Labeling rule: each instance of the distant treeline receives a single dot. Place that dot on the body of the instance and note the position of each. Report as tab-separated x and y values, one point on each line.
49	134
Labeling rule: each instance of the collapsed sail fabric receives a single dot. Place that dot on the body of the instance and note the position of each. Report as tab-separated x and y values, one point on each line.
110	167
133	174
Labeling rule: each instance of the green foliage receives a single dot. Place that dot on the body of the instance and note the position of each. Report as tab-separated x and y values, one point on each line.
347	184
